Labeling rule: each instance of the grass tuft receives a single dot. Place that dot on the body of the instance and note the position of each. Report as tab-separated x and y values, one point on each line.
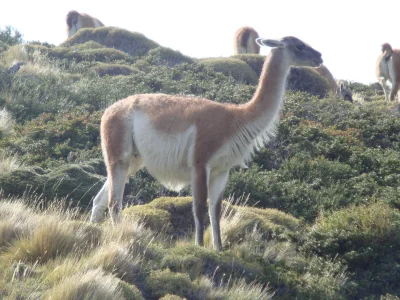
92	284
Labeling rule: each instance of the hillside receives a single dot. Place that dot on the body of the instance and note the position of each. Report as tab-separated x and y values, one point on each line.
314	216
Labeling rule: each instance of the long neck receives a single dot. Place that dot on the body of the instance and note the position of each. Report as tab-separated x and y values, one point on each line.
271	87
255	120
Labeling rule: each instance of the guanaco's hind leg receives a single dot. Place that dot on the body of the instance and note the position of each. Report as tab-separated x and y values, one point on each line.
395	89
199	191
215	194
101	199
382	82
100	203
120	155
117	176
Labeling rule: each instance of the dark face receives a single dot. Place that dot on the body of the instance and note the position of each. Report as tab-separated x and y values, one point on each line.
387	50
303	54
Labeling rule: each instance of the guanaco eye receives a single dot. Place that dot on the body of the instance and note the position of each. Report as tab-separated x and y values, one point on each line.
300	47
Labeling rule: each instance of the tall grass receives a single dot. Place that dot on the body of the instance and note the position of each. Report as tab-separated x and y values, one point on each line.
6	122
55	253
92	284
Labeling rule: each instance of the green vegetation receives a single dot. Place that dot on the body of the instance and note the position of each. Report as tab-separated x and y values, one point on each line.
234	67
320	219
9	36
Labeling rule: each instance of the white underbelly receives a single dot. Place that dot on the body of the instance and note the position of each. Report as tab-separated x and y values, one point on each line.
167	157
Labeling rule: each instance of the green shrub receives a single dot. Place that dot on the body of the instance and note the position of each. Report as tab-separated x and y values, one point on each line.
9	36
89	54
367	239
163	282
155	219
173	214
197	261
166	56
130	291
306	80
270	222
76	183
133	43
234	67
55	137
88	45
113	69
255	61
180	210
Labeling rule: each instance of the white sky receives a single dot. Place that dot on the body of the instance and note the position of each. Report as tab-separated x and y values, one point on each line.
348	33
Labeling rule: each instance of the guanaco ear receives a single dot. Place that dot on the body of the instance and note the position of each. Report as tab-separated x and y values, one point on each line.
269	43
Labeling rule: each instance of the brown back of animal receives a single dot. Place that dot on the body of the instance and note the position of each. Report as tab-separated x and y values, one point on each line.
341	90
245	41
324	72
76	21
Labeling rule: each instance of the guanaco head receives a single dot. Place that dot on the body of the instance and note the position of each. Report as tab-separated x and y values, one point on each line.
72	20
345	92
301	53
387	50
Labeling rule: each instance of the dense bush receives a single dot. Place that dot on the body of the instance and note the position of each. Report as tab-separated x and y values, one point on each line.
132	43
255	61
234	67
367	239
166	56
307	80
76	183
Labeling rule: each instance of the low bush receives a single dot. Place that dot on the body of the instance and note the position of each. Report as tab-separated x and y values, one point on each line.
306	80
164	282
132	43
366	238
255	61
234	67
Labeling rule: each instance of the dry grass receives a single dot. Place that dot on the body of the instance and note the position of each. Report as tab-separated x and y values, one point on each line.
116	259
35	62
9	162
55	254
237	289
252	226
13	55
15	221
92	284
6	122
131	233
49	239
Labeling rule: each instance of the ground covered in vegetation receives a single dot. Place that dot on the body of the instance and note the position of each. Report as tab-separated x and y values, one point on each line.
315	216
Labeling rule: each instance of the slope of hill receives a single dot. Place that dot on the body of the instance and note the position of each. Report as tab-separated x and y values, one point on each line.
321	213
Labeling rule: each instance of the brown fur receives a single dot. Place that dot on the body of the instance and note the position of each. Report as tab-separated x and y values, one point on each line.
76	21
224	129
339	91
387	50
389	58
244	41
324	72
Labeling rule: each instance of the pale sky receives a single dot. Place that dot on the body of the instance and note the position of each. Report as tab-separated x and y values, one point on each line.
349	34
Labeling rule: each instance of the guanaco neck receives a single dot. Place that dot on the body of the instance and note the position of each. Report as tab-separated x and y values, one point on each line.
267	99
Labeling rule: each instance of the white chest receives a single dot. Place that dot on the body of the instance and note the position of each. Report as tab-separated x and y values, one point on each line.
167	156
